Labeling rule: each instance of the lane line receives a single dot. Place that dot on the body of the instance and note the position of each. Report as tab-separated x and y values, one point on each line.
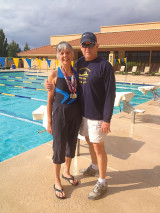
9	85
21	119
20	96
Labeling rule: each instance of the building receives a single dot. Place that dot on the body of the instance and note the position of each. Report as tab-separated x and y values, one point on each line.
138	43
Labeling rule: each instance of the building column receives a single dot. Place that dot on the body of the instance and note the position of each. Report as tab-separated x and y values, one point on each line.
150	57
112	58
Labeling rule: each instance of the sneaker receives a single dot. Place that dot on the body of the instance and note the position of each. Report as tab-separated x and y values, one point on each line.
98	190
89	171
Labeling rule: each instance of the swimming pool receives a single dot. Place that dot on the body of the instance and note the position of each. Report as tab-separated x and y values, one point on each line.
20	95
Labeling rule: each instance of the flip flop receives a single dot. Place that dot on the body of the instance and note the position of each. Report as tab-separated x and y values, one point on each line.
58	190
69	180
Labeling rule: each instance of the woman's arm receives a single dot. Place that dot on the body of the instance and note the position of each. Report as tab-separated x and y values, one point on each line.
52	80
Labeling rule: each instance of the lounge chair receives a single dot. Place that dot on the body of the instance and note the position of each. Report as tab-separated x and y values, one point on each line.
122	69
146	70
158	73
134	69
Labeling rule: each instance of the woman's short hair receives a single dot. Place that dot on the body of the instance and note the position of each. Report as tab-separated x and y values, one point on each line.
62	46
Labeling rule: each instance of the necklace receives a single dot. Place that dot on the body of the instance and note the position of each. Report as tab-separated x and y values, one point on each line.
72	84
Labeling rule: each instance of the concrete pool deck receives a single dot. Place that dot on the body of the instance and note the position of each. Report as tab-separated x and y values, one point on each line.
26	181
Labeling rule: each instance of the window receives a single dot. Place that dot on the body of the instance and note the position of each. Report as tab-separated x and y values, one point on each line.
104	55
116	54
138	57
155	57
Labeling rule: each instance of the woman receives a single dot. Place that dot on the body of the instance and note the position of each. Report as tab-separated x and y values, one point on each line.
63	116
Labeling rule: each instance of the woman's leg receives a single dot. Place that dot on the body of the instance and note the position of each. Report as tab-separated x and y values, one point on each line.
72	128
66	172
58	185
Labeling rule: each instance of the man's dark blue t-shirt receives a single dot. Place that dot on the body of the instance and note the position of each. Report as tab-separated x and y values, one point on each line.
97	88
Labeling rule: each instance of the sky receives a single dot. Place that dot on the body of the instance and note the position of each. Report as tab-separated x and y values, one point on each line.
34	21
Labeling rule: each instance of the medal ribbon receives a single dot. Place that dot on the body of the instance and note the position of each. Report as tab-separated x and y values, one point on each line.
72	84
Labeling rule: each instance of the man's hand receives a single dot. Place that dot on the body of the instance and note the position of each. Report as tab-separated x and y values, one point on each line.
48	86
105	127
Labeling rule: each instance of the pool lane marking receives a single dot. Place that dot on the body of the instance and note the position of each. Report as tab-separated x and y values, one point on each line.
9	85
21	119
126	88
36	99
20	96
23	77
28	82
7	94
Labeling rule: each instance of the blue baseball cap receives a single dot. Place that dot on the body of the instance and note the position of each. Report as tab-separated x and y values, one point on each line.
88	36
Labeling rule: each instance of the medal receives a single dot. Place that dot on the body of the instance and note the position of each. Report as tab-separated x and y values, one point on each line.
72	84
73	95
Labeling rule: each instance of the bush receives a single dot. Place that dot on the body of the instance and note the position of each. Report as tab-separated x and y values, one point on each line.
153	73
136	73
123	73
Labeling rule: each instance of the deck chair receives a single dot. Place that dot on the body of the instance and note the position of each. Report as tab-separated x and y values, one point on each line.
146	70
158	73
134	69
122	69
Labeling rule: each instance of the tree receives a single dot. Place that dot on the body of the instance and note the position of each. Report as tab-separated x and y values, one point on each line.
26	47
13	48
3	44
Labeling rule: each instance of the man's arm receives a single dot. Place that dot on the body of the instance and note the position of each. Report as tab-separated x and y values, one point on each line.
110	90
47	84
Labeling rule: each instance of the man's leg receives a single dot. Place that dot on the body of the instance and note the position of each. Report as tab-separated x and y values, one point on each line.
92	151
92	170
101	186
101	158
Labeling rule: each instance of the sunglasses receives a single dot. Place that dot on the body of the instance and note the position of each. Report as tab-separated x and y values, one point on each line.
91	45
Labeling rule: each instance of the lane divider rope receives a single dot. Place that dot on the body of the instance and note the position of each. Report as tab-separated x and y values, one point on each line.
28	82
21	119
9	85
8	76
20	96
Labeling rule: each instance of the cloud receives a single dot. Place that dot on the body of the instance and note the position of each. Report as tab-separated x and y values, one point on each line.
34	21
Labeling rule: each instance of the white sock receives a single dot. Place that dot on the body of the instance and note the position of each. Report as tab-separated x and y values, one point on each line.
94	166
103	181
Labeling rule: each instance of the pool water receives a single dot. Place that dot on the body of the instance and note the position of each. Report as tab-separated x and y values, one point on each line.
20	95
18	131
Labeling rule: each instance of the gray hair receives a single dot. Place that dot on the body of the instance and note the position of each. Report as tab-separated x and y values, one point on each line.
62	46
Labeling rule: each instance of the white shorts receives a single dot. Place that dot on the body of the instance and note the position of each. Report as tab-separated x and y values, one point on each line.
92	129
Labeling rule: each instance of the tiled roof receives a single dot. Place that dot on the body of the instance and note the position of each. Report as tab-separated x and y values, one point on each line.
45	50
112	39
129	38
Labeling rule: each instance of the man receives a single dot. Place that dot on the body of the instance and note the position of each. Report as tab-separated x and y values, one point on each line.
97	94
